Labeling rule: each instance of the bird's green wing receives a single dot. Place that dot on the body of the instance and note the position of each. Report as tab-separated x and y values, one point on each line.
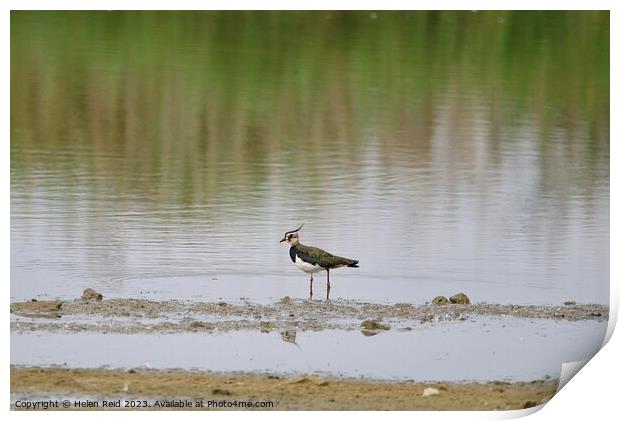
316	256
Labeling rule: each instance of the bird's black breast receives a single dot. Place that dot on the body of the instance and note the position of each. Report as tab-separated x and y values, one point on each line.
292	252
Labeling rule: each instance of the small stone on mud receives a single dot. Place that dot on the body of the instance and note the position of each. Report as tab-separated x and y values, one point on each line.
570	303
440	300
265	327
430	391
91	294
131	371
36	308
34	300
222	304
286	300
459	298
529	404
403	306
201	325
374	325
220	392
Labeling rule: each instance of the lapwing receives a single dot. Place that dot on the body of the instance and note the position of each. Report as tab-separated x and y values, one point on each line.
312	260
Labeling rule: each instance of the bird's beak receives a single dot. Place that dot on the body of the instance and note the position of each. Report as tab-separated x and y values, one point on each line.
282	239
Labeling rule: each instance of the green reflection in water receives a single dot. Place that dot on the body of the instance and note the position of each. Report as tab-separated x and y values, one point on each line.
206	102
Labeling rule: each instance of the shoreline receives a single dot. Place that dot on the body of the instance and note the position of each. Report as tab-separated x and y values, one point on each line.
302	392
127	315
285	391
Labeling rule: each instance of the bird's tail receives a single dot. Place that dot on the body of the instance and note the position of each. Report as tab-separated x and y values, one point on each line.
353	264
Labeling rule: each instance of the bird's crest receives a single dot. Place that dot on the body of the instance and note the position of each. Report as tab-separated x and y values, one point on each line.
290	232
291	237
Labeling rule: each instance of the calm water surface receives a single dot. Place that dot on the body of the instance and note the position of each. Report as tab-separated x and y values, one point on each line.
504	349
163	155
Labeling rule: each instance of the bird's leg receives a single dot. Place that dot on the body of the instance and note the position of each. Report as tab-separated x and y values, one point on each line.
311	286
328	285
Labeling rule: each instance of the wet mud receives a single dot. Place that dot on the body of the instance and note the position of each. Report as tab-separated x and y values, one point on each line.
127	315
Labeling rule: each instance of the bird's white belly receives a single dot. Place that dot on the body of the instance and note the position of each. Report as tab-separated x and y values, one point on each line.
307	267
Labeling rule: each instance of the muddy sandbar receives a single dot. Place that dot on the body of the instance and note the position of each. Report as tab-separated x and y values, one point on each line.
128	315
